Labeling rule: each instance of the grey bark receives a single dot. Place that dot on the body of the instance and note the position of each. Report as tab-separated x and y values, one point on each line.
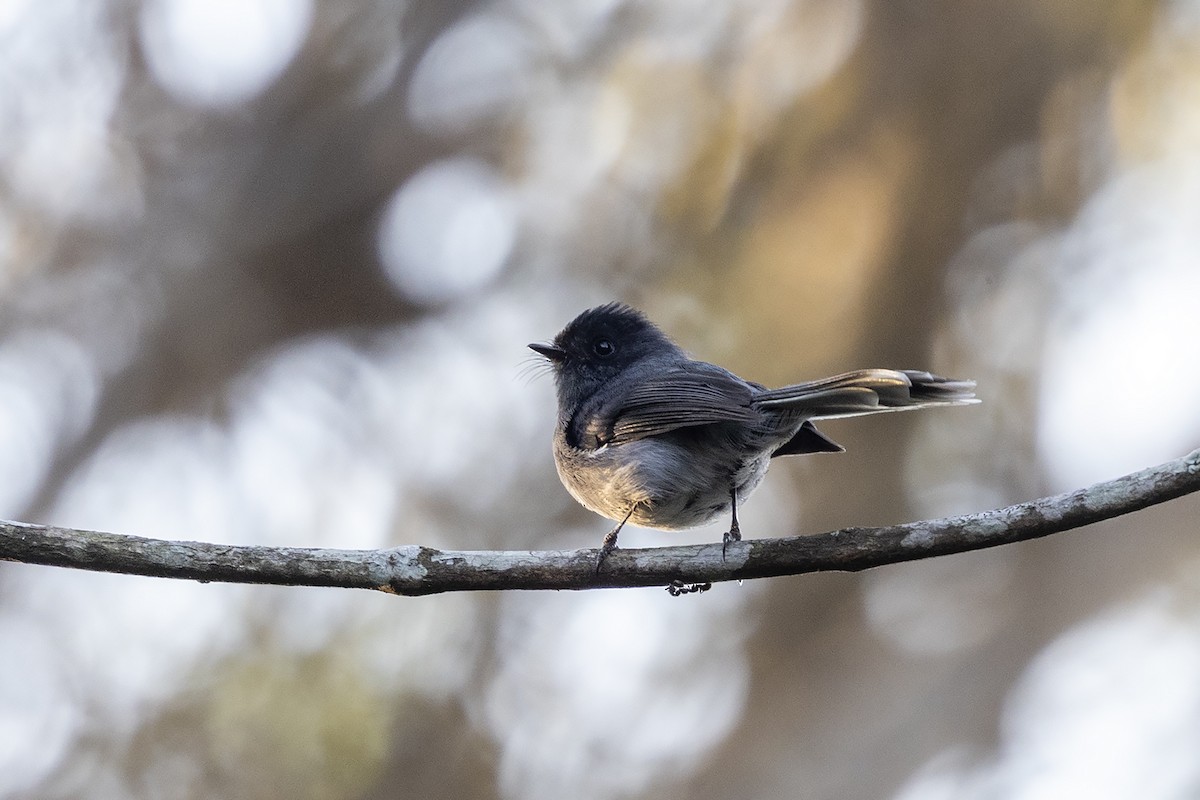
417	570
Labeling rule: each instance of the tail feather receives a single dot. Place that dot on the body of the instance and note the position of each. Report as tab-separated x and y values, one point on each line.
869	391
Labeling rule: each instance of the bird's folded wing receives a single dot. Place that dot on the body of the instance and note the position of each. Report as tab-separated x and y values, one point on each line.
678	399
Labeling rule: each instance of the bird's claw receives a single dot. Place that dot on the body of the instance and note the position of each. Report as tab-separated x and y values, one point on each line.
677	587
734	534
610	544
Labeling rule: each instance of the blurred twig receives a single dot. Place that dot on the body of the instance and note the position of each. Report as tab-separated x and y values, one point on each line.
415	570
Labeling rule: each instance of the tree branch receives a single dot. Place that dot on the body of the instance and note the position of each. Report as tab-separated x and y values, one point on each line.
415	570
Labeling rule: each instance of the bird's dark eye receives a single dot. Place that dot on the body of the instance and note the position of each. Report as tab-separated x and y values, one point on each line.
604	348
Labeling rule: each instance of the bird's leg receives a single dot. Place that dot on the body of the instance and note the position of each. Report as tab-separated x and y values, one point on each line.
734	534
610	540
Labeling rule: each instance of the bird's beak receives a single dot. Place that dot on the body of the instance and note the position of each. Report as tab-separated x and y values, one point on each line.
552	352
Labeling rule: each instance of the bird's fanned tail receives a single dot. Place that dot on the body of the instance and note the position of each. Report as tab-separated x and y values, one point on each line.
869	391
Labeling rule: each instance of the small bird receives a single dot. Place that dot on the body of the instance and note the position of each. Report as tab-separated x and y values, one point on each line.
648	435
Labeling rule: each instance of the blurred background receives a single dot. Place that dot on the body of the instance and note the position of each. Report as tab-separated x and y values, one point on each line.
267	272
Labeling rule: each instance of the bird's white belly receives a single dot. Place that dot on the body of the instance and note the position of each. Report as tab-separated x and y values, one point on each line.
663	484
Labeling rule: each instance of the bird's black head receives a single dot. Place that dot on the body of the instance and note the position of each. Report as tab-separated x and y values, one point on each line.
598	345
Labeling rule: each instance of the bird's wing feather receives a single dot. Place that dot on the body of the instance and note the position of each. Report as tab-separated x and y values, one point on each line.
678	399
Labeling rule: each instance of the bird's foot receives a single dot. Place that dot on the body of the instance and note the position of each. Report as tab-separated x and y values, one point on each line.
734	534
677	587
610	544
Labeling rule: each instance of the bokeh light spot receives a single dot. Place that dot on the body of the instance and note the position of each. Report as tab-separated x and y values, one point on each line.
447	231
222	52
475	69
